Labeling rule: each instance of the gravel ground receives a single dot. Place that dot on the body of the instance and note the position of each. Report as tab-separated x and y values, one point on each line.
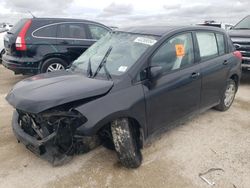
210	140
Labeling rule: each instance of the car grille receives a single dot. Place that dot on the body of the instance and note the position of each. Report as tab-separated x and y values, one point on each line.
244	48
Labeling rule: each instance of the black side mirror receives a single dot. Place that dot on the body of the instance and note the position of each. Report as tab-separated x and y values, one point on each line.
155	71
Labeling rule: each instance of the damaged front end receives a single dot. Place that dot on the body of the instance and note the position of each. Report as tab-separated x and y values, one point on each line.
52	134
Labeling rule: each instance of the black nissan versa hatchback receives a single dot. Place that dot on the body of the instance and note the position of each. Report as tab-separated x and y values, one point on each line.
41	45
128	86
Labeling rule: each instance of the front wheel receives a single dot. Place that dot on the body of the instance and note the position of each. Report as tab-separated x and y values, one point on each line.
228	96
126	146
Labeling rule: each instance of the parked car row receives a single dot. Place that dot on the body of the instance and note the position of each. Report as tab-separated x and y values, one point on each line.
126	88
40	45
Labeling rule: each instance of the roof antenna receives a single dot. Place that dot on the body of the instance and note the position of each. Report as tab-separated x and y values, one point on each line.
31	14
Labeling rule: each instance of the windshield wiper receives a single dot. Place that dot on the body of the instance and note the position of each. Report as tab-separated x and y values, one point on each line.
103	64
89	70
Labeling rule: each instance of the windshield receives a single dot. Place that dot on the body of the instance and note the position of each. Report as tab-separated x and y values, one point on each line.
243	24
117	51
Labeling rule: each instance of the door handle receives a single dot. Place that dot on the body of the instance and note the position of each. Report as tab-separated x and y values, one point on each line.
195	75
225	62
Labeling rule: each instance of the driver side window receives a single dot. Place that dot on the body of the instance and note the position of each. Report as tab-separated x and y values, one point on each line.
174	54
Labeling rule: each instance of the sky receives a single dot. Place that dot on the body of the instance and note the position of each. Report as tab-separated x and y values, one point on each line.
129	12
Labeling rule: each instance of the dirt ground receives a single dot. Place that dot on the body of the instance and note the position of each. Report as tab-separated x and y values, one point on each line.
211	140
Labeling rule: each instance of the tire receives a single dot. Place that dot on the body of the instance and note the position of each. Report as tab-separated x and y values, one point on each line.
225	103
126	146
1	55
55	63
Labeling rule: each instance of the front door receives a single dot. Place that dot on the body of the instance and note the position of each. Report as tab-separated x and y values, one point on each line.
176	92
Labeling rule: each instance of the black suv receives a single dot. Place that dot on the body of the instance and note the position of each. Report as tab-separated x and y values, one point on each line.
240	35
41	45
128	86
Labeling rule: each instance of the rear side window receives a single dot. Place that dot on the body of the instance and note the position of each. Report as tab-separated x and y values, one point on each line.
97	32
47	31
207	45
221	44
175	53
71	31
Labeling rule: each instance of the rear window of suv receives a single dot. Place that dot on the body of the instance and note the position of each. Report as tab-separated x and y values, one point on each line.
18	26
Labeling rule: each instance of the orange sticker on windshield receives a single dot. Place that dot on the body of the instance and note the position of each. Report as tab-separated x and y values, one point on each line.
180	50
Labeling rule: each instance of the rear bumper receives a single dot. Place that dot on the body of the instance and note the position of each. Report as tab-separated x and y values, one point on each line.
21	65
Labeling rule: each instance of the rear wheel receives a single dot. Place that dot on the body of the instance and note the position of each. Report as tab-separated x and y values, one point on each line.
126	146
53	64
1	55
228	96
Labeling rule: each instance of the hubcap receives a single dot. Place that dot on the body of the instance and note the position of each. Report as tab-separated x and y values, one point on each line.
55	67
229	95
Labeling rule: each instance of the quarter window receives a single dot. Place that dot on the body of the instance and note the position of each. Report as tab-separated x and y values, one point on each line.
176	53
97	32
207	45
71	31
221	44
48	31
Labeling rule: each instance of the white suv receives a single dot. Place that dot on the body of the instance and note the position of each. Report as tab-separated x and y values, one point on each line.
4	27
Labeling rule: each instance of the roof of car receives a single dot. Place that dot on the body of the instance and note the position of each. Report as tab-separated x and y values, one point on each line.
69	20
163	30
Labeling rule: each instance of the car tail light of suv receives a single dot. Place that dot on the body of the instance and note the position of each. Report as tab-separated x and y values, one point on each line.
238	54
20	40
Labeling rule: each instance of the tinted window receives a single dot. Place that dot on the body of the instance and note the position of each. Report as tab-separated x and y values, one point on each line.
176	53
71	31
97	32
48	31
18	26
221	43
207	45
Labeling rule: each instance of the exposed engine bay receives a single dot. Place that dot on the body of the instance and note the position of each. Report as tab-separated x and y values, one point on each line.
55	131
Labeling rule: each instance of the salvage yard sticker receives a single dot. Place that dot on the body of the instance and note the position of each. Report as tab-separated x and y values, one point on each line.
180	50
146	41
122	68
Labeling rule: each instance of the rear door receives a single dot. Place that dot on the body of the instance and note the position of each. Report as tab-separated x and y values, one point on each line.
73	39
214	66
176	93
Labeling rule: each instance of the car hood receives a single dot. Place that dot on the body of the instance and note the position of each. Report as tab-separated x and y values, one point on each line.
44	91
239	33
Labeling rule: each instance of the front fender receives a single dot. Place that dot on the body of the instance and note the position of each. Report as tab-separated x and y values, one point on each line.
128	102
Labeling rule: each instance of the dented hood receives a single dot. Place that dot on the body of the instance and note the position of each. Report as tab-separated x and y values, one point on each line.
45	91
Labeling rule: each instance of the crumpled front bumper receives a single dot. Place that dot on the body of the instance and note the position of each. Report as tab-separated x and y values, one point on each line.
43	148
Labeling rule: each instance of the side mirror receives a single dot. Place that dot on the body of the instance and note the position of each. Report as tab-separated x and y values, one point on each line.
155	71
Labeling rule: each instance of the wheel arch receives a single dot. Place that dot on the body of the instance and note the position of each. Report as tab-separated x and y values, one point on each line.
236	79
50	56
136	124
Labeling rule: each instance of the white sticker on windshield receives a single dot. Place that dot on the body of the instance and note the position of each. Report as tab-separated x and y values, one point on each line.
122	68
146	41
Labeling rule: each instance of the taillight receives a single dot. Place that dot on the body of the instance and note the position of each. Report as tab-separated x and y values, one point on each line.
238	54
20	40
